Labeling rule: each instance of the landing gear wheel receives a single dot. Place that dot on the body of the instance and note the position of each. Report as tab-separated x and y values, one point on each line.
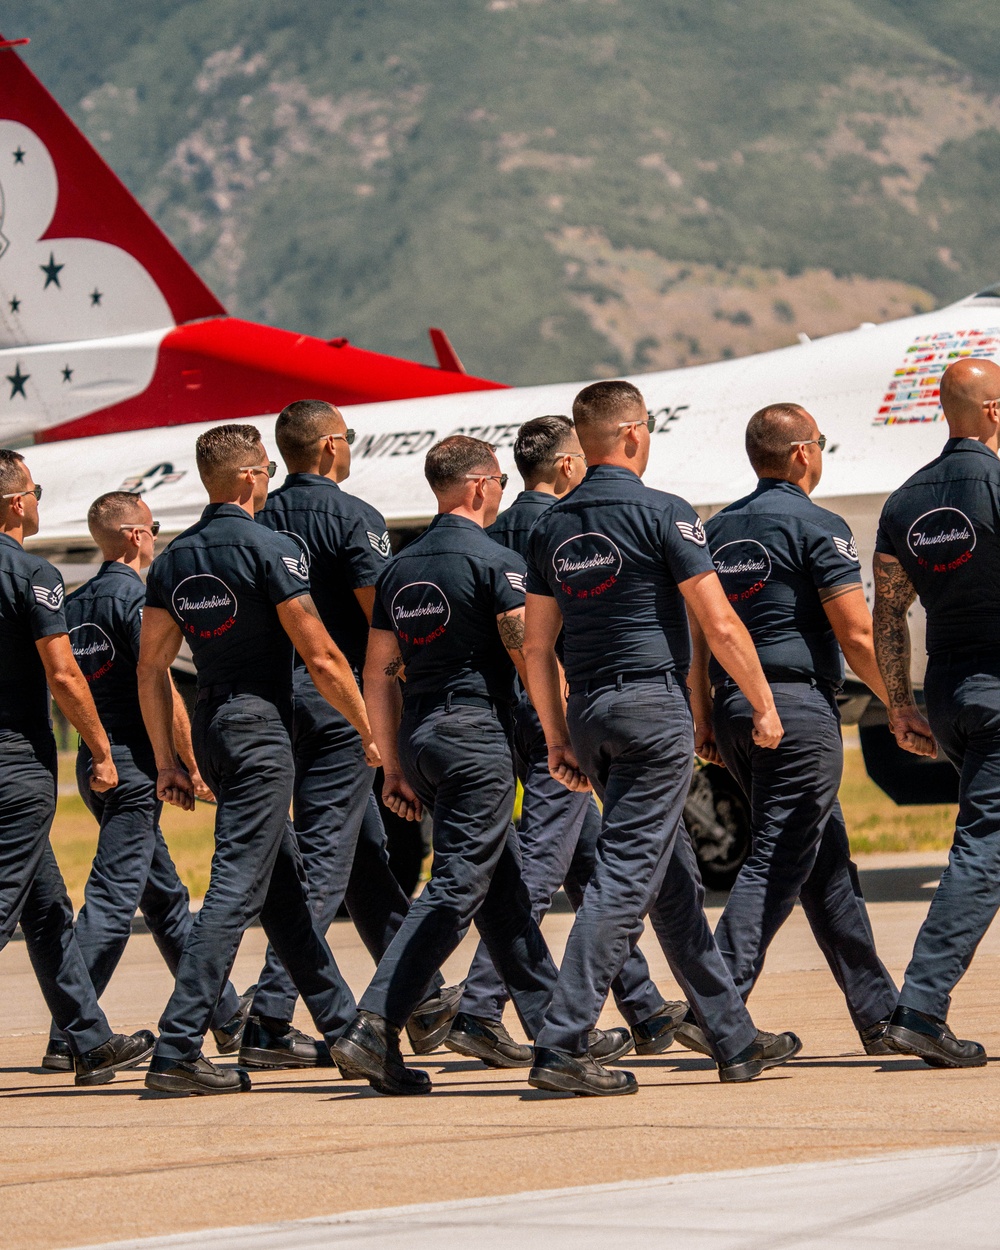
718	819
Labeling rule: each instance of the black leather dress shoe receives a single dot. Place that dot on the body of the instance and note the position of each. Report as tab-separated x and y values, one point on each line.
432	1020
487	1040
692	1036
371	1047
195	1076
607	1044
578	1074
121	1050
58	1057
911	1032
276	1044
229	1035
873	1039
656	1034
767	1050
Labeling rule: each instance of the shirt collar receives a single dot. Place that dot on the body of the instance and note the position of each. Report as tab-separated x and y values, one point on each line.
311	479
214	510
967	444
449	519
12	542
610	472
117	569
765	484
534	496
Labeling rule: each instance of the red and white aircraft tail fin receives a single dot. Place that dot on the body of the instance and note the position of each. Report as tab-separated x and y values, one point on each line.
79	257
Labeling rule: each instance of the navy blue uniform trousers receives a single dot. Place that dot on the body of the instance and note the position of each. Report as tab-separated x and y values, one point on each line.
132	869
635	742
963	706
32	890
558	839
244	752
800	848
341	839
457	759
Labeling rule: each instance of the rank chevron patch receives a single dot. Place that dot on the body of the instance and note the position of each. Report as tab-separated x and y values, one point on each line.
694	533
51	599
380	543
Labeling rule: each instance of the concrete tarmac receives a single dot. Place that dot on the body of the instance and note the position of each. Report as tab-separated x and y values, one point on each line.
114	1163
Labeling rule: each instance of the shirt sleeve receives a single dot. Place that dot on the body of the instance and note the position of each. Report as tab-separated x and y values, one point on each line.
367	550
380	613
506	582
883	539
685	543
286	570
535	582
155	595
132	626
43	601
832	555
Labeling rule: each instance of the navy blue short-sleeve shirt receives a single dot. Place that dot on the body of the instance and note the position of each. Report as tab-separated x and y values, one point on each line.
441	596
221	581
943	526
32	606
612	553
774	551
105	620
346	545
515	523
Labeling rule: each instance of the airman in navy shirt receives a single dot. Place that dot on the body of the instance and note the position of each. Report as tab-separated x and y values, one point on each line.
35	651
790	569
612	565
448	613
939	538
559	828
239	594
132	867
335	815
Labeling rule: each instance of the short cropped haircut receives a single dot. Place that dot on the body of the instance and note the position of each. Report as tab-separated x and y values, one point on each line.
13	474
300	426
537	444
770	433
602	404
449	461
224	449
109	512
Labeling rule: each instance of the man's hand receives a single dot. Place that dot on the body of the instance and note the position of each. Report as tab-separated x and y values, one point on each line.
912	731
174	785
704	744
200	786
372	757
103	774
767	728
564	766
400	798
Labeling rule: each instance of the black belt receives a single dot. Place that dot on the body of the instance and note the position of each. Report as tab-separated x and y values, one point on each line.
619	680
423	703
262	690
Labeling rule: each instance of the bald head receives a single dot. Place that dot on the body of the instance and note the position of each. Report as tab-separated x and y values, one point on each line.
968	388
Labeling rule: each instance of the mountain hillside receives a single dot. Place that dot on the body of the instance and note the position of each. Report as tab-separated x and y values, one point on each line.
570	187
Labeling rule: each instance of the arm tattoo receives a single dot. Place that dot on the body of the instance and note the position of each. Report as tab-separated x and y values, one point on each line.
893	595
512	632
835	592
393	667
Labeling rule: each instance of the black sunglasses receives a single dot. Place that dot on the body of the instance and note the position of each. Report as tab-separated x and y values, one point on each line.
16	494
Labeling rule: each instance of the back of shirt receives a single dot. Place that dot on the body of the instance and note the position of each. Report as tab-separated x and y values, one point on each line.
441	596
221	581
943	526
612	553
774	552
105	621
345	544
513	525
31	608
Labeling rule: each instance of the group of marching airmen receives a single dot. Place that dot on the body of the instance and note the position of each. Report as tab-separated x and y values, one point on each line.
589	641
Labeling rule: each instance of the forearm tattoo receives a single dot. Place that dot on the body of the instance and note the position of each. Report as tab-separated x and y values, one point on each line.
512	632
393	667
893	595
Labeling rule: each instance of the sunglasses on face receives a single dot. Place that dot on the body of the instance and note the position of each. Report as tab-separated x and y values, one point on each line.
270	468
16	494
807	442
492	477
649	423
153	527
